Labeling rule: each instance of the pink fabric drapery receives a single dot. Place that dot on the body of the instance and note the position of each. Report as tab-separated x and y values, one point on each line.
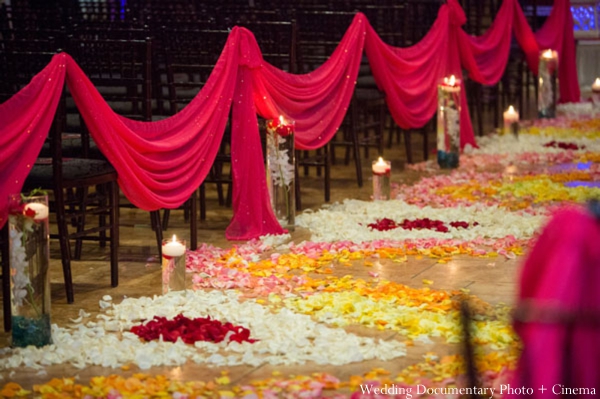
316	101
485	57
25	120
161	163
409	76
561	278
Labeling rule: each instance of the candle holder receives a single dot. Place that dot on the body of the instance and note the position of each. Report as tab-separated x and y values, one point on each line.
382	171
547	84
596	93
448	123
173	265
29	243
511	122
281	164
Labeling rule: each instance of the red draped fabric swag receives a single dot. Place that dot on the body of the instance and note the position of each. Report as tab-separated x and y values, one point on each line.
161	163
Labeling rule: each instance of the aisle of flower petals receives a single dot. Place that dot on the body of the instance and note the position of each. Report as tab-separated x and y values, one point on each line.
284	303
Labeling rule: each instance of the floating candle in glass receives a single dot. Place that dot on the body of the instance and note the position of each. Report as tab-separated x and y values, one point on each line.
596	92
448	123
511	121
547	84
382	171
173	265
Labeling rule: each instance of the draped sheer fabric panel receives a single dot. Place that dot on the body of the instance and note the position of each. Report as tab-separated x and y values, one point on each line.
161	163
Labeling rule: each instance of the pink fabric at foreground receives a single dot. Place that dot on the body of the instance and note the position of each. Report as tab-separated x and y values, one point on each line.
562	275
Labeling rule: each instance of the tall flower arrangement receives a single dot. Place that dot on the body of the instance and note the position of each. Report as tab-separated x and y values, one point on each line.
281	170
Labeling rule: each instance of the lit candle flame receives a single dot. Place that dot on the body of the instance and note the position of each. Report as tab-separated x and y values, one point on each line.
381	162
548	54
452	80
281	120
174	238
511	110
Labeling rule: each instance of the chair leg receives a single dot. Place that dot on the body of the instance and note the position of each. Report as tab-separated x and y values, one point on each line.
297	188
194	221
202	202
105	197
165	219
5	279
426	142
408	146
114	232
81	197
355	145
155	217
63	238
327	163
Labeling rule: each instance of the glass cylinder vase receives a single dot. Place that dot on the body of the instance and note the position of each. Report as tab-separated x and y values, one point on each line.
173	265
382	171
29	279
448	123
281	161
511	122
547	84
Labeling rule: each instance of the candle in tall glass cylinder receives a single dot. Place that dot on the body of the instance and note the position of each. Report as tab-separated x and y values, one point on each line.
511	121
173	265
596	92
382	171
448	123
281	164
547	84
29	244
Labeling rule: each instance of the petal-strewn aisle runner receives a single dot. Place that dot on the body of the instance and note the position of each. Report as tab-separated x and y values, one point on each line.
337	299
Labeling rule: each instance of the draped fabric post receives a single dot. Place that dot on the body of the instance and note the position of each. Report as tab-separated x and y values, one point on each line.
24	123
252	212
561	275
316	101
